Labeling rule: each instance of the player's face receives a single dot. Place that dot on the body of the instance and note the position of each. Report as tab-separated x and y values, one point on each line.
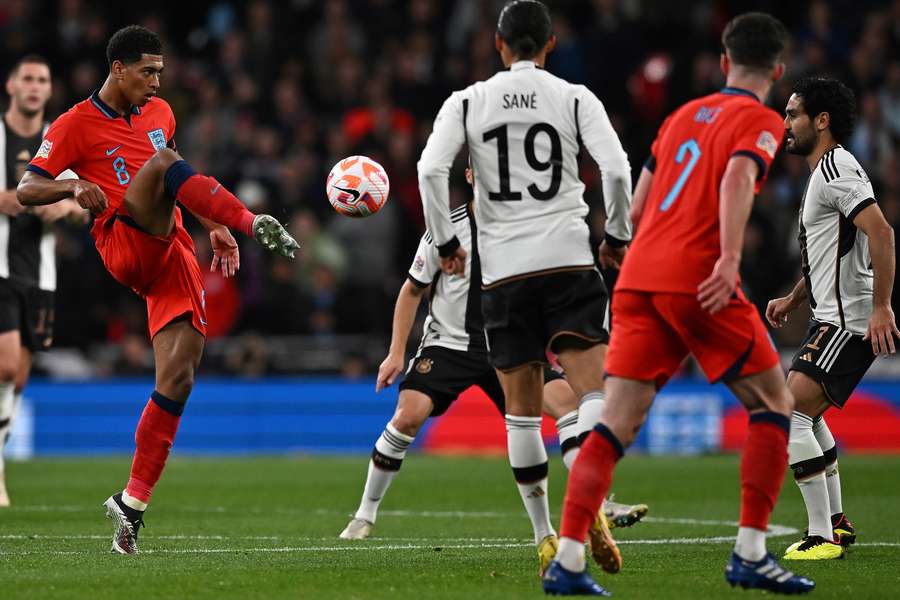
140	80
29	88
800	136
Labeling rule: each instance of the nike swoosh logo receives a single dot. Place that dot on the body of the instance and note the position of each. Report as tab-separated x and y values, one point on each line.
111	151
215	189
351	191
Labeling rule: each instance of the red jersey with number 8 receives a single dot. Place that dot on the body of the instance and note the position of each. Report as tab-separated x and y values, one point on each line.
677	241
104	147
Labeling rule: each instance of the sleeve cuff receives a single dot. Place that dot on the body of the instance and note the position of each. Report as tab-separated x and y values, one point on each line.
416	282
757	159
859	208
650	163
446	250
40	171
614	242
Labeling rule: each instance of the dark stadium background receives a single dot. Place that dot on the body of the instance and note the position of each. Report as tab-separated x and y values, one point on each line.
268	95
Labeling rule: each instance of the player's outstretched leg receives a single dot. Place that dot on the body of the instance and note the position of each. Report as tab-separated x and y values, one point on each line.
177	348
166	177
763	463
413	408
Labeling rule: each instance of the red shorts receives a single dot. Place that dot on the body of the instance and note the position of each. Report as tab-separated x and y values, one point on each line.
162	270
653	332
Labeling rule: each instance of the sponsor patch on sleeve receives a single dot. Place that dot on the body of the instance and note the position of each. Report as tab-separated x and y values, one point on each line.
44	150
767	143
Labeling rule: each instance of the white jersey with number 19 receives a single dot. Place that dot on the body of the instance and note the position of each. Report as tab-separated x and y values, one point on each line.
524	128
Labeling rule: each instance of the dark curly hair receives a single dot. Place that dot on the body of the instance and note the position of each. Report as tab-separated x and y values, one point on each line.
129	43
825	95
755	40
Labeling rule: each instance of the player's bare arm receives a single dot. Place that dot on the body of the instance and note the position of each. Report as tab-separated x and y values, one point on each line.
735	203
404	315
882	324
778	309
639	200
9	205
35	190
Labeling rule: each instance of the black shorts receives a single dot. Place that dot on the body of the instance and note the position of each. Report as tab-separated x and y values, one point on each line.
835	358
443	374
28	310
524	319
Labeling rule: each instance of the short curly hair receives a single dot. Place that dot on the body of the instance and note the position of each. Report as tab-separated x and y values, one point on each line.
129	43
826	95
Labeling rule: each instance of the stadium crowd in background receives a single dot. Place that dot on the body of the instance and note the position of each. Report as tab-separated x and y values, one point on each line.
270	94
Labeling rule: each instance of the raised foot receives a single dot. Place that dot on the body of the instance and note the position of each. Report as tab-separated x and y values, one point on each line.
273	236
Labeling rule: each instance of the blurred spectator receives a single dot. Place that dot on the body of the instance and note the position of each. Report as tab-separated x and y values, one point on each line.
269	95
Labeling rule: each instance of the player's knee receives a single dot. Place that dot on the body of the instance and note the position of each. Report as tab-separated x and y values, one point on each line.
8	372
407	423
181	382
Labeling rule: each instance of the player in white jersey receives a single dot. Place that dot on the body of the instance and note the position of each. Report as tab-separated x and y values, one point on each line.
451	358
847	253
541	291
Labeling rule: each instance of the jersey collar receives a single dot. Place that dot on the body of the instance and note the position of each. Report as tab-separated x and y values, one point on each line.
736	91
108	110
523	64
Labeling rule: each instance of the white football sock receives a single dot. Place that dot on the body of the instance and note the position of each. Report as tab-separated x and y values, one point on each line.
528	459
589	409
567	429
750	544
571	554
808	463
832	477
7	411
132	502
390	449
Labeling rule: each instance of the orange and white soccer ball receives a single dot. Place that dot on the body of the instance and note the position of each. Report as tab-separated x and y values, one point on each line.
357	186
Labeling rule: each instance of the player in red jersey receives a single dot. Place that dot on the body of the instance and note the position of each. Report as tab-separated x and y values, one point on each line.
120	142
678	294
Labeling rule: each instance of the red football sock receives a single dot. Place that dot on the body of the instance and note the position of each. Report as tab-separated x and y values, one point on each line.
763	464
153	438
589	482
207	197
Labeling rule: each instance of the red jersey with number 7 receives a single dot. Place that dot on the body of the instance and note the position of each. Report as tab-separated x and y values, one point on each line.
677	241
103	146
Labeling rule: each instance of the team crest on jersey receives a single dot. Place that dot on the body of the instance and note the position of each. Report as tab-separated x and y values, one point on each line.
44	150
767	143
424	365
157	138
418	264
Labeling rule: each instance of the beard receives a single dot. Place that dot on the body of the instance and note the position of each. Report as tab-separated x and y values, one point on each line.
28	112
796	145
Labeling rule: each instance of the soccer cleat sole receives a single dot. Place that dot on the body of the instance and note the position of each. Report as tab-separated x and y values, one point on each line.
634	515
746	586
272	236
113	512
603	547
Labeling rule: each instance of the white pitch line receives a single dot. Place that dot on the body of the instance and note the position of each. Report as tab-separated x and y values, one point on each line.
303	549
365	547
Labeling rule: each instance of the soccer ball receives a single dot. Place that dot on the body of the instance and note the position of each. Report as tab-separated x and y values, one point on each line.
357	186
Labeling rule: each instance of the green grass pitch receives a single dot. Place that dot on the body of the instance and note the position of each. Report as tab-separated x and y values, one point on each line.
449	528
